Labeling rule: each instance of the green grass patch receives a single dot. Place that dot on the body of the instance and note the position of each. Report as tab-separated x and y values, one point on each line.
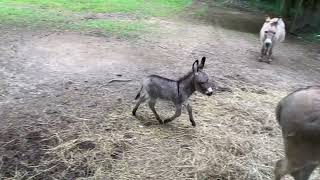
68	14
203	11
313	37
119	28
146	7
28	16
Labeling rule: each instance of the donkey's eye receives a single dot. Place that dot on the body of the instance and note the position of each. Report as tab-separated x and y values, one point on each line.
265	31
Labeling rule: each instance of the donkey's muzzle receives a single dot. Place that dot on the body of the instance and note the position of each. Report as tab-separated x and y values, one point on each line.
209	92
268	44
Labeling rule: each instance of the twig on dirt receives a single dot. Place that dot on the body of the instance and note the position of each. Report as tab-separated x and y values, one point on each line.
115	80
46	170
223	89
163	47
119	80
206	52
78	118
45	35
8	142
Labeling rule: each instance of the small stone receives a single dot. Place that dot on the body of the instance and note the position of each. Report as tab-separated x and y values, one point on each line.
128	136
92	104
86	145
52	111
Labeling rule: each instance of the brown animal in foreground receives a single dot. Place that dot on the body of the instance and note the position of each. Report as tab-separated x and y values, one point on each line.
272	32
299	117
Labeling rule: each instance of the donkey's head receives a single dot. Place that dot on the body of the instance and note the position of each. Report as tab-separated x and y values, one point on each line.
270	31
269	37
201	78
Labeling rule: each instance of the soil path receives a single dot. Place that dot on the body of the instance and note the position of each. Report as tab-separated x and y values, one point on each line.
57	83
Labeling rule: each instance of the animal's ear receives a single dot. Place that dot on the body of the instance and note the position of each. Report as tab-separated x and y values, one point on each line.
203	60
267	18
195	66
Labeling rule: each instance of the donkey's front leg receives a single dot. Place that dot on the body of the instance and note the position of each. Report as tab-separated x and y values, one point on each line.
190	114
176	114
262	53
269	55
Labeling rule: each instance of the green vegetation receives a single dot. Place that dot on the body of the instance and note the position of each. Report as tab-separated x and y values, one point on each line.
203	11
28	16
70	13
146	7
302	16
120	28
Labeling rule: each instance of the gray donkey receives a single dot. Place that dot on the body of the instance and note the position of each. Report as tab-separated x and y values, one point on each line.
299	117
156	87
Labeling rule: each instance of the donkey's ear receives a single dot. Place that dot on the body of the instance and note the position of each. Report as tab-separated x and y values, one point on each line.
203	60
267	18
195	66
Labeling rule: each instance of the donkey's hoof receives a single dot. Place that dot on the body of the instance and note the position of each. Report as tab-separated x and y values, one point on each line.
269	61
166	121
133	113
260	59
193	124
159	120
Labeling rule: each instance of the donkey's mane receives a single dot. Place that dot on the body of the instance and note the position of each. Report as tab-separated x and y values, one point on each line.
186	76
160	77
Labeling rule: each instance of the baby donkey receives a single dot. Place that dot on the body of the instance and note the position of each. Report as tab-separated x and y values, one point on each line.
156	87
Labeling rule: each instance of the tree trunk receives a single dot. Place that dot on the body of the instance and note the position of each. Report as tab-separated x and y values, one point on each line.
285	6
298	12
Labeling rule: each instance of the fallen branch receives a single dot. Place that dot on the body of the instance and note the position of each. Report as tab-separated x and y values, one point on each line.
163	47
206	52
119	80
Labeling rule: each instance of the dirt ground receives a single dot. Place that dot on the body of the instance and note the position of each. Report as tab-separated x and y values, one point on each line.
62	118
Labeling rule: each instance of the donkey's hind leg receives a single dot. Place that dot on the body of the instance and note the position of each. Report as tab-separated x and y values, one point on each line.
281	169
176	114
152	103
141	100
304	173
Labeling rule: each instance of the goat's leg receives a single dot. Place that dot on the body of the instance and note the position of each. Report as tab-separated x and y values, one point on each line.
176	114
304	173
141	100
190	115
152	103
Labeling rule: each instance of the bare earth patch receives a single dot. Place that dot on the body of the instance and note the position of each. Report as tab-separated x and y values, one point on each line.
61	118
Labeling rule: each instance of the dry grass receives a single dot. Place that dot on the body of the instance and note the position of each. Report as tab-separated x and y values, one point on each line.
236	137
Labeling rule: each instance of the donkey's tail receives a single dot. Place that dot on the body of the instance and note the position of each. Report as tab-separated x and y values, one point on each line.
138	95
278	112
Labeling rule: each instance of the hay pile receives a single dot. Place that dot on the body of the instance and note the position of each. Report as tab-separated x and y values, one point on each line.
236	137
